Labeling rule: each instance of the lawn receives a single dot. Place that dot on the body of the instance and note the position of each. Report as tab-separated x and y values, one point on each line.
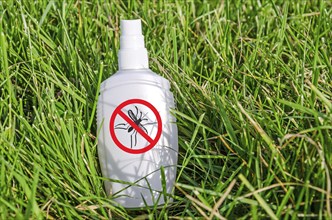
253	86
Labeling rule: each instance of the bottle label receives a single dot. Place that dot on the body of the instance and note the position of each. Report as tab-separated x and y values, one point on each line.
135	126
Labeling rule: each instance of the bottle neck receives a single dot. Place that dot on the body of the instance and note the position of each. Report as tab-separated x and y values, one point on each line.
133	59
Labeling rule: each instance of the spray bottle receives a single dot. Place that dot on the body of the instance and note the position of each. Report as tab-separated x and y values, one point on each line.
137	134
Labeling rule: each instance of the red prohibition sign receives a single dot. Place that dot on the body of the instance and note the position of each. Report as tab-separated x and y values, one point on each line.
118	112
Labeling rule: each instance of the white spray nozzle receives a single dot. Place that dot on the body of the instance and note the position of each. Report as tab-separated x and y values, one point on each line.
131	27
132	54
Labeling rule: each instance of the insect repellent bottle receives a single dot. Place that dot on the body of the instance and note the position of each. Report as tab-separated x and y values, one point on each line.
137	135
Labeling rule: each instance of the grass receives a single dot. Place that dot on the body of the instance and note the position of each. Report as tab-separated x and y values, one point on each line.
253	86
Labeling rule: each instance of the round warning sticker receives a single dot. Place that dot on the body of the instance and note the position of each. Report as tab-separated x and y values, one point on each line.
135	126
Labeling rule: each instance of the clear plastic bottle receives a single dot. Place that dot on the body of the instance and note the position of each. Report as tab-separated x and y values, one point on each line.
137	135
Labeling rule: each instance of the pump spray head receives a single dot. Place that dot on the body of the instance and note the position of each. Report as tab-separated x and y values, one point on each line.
132	53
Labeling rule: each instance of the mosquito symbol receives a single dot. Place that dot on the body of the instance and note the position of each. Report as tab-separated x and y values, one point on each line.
137	118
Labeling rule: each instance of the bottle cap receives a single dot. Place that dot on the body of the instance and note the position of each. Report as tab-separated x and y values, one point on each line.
132	53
